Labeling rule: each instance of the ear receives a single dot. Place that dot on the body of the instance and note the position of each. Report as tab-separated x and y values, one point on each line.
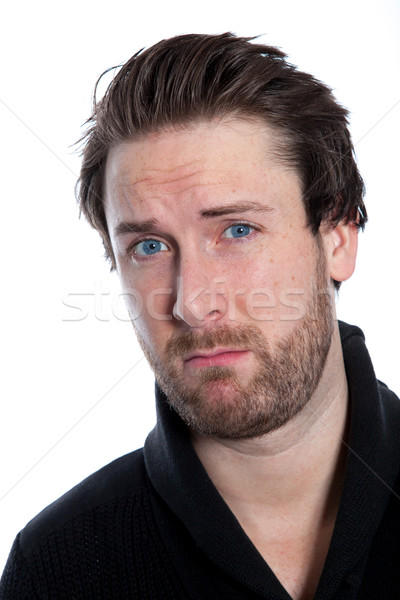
341	244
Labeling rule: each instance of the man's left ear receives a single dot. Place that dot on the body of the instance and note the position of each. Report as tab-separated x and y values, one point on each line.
341	244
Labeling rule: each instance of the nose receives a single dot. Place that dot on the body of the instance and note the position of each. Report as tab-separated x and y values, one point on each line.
200	293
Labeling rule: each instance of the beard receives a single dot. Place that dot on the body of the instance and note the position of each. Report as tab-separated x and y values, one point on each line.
221	404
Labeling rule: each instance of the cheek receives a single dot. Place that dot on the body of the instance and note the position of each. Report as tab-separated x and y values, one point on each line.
274	292
149	301
253	291
132	294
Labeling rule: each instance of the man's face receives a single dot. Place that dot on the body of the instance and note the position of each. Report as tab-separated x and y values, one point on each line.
224	282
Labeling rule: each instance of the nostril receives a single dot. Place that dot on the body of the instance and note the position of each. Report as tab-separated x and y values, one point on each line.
175	313
213	314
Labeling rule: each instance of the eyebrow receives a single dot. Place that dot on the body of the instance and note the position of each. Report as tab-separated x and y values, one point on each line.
152	224
238	207
144	227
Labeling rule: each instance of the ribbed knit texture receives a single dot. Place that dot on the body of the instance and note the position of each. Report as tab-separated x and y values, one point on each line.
110	552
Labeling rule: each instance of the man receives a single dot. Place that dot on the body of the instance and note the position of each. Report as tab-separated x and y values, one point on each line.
223	183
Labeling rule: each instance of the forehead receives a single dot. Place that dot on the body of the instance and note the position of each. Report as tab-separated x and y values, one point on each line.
216	159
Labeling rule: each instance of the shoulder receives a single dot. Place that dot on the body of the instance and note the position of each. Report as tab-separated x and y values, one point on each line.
389	413
121	478
353	344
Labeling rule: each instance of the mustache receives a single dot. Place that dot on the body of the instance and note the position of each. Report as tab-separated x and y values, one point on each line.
238	336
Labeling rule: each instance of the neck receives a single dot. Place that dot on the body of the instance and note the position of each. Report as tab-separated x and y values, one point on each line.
300	465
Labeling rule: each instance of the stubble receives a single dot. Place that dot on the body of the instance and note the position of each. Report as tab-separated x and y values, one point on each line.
285	378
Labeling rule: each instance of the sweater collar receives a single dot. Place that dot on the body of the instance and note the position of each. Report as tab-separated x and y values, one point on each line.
372	463
181	480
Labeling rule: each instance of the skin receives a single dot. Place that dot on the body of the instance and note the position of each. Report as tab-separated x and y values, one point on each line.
202	279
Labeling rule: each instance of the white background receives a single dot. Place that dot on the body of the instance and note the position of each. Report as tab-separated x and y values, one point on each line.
76	393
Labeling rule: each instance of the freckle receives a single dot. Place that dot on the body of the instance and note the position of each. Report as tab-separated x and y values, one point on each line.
271	260
292	277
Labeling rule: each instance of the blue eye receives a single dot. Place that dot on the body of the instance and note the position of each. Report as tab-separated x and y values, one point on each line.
149	247
238	231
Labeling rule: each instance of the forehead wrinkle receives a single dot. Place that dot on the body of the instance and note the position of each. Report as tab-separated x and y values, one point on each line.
163	181
175	185
182	167
155	191
148	173
130	194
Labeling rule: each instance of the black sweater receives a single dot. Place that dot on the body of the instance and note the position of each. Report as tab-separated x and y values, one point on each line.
151	525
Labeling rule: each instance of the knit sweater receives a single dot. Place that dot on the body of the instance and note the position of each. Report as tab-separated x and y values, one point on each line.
151	525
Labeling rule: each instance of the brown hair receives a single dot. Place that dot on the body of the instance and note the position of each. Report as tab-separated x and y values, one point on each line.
192	78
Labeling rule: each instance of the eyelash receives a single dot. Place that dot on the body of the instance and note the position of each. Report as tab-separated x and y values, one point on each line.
252	227
131	248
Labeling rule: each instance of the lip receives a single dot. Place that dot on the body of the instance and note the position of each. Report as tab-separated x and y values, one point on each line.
215	358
